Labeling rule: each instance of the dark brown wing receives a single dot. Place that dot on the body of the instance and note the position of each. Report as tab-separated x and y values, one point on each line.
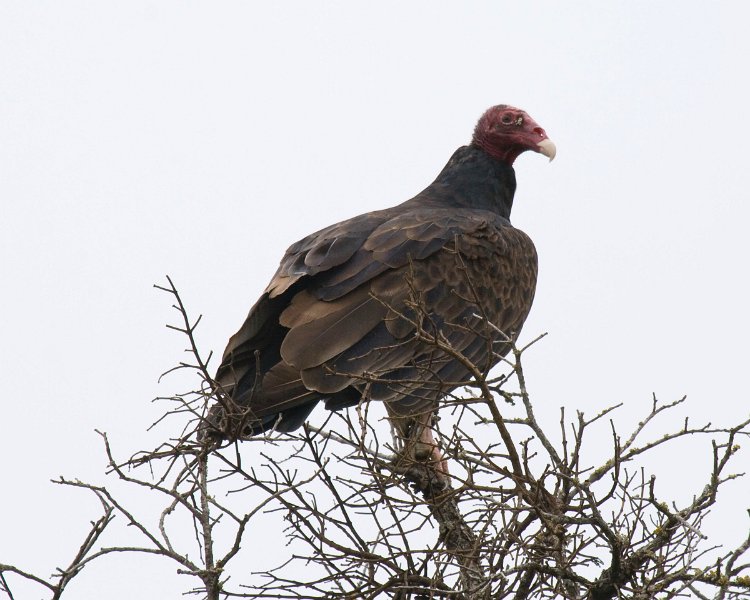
340	315
485	274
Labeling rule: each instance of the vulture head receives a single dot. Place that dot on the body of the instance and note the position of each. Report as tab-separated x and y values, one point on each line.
504	132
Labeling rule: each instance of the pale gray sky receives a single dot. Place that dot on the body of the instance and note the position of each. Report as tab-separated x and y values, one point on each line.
200	139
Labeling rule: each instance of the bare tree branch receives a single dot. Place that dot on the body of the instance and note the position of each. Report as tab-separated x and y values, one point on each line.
521	516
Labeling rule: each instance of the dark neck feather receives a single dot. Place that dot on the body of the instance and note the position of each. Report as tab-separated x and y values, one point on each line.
473	179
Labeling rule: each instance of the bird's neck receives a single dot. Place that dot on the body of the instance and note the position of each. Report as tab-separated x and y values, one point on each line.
473	179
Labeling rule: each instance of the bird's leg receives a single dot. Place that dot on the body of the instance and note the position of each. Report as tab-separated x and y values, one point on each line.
424	446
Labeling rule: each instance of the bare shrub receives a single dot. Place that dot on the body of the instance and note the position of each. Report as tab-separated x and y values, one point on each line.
525	512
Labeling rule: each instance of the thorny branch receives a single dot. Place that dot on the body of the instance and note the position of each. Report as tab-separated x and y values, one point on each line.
521	516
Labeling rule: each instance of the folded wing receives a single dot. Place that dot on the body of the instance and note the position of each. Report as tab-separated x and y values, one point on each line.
363	307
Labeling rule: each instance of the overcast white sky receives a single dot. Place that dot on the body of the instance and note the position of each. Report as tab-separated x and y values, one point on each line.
199	139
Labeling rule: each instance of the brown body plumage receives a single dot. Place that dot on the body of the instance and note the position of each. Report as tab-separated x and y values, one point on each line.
354	310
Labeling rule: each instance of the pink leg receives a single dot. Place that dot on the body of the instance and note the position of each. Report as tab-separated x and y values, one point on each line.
427	448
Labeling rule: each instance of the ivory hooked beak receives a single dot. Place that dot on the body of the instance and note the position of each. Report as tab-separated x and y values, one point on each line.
547	147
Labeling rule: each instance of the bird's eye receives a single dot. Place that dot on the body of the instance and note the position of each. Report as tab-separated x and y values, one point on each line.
519	121
506	119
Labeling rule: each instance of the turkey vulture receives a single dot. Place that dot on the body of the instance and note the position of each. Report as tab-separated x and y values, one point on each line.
355	310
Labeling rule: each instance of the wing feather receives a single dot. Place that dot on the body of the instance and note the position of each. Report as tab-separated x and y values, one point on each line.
312	343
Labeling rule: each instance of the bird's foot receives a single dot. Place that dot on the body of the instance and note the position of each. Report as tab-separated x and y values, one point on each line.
421	460
427	451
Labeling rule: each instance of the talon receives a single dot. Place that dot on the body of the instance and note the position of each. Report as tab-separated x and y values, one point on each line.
420	446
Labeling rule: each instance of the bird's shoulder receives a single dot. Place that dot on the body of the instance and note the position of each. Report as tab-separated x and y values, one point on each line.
344	255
